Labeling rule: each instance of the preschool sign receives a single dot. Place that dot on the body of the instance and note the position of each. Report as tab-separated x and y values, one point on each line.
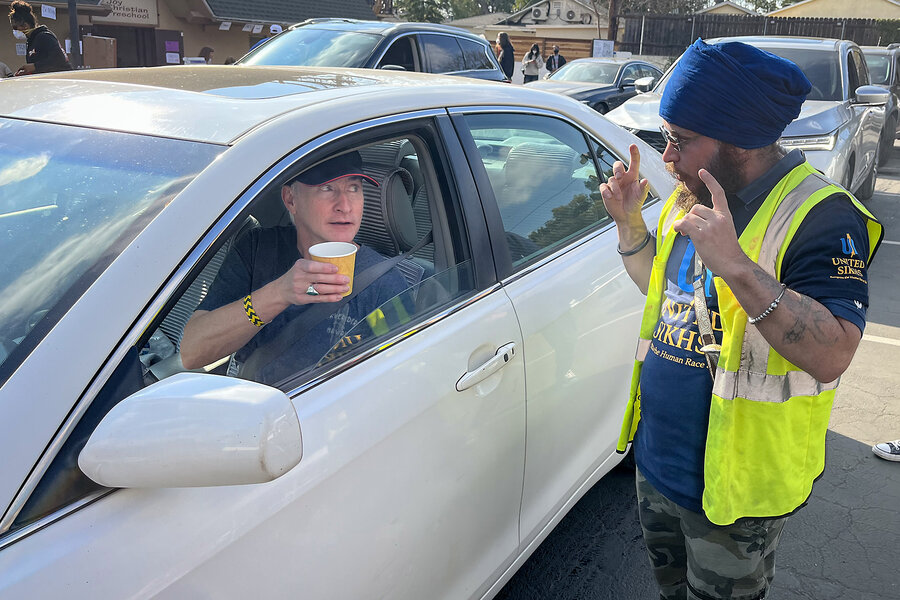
130	12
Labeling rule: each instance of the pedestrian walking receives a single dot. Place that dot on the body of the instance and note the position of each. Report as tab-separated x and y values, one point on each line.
43	52
756	283
506	54
531	63
556	60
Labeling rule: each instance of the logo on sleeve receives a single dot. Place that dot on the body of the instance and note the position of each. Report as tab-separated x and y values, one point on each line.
858	304
850	267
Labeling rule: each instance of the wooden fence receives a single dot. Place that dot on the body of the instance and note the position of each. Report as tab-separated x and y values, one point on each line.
670	35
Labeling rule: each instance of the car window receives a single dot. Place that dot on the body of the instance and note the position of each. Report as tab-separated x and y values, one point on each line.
71	199
879	68
308	46
858	65
821	67
543	178
594	72
414	212
400	54
650	72
443	53
631	72
475	55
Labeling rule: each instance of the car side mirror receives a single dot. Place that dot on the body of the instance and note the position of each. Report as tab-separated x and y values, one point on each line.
871	95
644	84
392	68
194	430
625	83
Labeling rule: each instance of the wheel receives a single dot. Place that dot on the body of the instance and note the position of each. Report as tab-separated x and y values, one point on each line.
867	188
888	133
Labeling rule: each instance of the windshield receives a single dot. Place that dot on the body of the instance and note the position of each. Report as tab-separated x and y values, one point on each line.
71	199
879	69
587	71
821	67
308	47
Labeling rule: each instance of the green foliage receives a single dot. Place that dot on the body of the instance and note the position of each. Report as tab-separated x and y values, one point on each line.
427	11
460	9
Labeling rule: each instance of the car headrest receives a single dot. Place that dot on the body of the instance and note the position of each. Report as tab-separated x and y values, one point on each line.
535	164
388	224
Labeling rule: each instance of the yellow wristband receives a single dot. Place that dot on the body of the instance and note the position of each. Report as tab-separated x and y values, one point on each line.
251	314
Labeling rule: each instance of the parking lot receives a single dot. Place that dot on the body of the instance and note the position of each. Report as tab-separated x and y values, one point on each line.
842	545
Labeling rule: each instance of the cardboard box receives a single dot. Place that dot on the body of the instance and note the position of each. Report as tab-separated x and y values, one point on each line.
99	52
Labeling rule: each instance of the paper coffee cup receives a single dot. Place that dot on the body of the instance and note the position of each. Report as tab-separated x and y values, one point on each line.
341	254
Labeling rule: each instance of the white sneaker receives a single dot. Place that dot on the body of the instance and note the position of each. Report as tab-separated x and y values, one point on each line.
887	450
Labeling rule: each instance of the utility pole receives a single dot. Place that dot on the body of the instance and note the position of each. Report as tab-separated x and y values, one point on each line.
75	55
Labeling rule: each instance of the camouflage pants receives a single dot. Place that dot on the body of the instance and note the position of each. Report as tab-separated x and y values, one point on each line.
693	559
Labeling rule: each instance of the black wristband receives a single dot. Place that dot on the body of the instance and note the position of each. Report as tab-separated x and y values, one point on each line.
636	249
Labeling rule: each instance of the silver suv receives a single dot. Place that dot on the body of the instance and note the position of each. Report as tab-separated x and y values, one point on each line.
883	64
839	125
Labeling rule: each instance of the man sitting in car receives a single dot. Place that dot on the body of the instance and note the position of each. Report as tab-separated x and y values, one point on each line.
267	281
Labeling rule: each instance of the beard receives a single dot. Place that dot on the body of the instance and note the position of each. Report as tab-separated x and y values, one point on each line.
726	165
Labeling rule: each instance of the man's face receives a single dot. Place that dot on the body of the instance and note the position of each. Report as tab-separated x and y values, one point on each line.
555	49
330	212
700	152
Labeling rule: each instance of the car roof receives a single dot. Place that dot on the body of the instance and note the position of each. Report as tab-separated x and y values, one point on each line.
385	28
879	50
215	104
609	60
778	41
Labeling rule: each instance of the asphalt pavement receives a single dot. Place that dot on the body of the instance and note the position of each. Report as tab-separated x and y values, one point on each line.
842	546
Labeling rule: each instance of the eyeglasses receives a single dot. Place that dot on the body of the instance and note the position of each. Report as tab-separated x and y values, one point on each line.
670	138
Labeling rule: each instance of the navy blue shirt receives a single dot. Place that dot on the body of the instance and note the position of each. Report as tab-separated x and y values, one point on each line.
263	255
676	387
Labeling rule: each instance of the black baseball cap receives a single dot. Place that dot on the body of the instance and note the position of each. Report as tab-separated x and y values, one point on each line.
343	165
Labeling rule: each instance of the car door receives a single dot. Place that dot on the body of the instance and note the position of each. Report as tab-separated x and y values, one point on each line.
413	434
866	121
625	84
441	53
578	309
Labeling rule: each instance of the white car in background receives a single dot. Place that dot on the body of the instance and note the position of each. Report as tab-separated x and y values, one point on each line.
839	125
424	458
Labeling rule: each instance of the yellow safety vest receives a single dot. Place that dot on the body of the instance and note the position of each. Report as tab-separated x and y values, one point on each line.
765	443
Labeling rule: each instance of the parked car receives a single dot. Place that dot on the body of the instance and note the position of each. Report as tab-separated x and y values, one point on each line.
601	83
410	460
839	125
420	47
883	63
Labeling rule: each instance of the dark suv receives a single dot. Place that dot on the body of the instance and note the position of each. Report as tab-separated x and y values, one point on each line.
424	47
883	66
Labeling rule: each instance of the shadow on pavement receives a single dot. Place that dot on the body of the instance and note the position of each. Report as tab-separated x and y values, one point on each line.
841	546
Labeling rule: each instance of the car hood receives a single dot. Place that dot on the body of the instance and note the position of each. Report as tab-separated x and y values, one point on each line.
569	88
817	117
640	112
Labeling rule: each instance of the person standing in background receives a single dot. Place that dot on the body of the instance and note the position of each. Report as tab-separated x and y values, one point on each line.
531	63
556	60
506	54
207	54
44	54
274	29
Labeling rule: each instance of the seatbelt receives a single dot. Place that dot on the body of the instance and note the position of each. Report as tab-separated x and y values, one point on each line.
317	313
710	348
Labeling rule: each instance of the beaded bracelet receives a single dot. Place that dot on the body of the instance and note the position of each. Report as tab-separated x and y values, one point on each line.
635	250
768	311
251	314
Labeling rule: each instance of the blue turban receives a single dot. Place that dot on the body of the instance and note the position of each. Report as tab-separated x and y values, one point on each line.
734	93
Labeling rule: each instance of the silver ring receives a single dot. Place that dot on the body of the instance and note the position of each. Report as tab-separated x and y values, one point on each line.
311	290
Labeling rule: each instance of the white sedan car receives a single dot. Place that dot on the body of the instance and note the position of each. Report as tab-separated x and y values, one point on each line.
425	454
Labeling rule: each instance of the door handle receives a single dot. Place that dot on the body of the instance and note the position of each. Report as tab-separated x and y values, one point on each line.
503	355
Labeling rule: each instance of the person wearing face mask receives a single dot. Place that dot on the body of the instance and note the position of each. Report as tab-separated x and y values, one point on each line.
556	60
44	54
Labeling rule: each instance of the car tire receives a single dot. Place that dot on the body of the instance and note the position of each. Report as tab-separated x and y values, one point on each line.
867	188
888	133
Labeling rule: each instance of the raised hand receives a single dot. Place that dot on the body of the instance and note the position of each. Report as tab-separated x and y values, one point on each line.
624	193
712	230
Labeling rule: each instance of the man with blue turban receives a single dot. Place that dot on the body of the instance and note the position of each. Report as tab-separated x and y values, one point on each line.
756	283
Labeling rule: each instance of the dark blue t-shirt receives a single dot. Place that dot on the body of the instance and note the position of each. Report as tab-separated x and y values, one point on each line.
263	255
676	387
